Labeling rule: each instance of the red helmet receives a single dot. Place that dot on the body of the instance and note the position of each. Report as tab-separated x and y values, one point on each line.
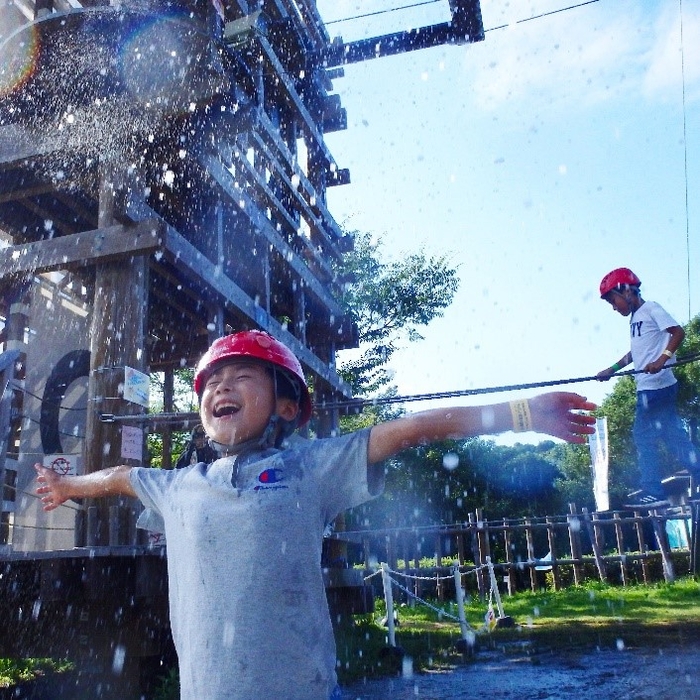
615	280
261	346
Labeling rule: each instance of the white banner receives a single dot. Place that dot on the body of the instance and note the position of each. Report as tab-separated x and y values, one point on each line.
598	444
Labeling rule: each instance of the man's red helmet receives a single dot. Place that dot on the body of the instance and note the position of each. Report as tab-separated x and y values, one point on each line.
617	279
260	346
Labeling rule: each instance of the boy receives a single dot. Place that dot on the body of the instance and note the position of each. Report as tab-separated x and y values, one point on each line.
247	602
655	337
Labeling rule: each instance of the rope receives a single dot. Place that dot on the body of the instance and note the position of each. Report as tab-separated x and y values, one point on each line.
434	608
361	403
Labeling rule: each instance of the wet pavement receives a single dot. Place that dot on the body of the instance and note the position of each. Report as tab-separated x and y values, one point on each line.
641	674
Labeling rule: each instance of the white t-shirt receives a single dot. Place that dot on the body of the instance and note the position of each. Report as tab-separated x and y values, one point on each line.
248	606
649	338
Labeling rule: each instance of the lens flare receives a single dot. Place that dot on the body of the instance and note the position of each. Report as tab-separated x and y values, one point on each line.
19	55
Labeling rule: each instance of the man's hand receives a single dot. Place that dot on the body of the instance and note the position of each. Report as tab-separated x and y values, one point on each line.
564	415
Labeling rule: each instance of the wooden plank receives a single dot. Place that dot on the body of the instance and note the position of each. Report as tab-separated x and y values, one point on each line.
80	249
289	92
226	180
184	253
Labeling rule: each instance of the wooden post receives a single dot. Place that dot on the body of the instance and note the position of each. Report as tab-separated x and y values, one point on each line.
620	540
658	523
482	529
597	553
574	523
460	549
551	541
480	582
439	588
510	566
530	555
639	529
167	433
117	339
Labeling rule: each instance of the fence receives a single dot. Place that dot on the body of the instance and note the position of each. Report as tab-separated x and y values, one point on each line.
616	547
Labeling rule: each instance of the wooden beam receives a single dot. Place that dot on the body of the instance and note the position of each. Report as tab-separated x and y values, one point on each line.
80	249
218	172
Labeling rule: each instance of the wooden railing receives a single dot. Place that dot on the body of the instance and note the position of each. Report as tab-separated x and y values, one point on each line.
616	547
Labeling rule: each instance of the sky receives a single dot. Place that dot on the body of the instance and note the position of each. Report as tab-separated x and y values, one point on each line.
537	160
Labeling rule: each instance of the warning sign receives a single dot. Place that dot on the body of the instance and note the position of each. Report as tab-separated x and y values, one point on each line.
65	465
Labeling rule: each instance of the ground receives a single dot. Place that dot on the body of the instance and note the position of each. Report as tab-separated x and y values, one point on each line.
670	673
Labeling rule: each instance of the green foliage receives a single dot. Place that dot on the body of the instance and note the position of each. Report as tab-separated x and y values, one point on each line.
14	671
169	686
184	401
389	301
689	379
423	485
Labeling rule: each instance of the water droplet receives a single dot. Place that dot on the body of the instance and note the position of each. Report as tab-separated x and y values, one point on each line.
450	461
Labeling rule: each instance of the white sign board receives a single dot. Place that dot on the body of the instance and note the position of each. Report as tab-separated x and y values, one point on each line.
137	386
132	443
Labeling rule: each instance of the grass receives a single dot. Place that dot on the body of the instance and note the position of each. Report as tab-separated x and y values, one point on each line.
591	616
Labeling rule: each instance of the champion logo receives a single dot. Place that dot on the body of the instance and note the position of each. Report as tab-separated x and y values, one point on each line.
270	479
271	476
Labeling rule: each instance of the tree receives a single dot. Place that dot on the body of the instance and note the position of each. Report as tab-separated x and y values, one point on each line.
389	301
689	379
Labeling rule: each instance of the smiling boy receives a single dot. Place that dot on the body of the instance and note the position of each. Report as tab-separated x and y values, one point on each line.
247	600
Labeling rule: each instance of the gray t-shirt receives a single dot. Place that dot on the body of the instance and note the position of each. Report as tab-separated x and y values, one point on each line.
648	339
247	602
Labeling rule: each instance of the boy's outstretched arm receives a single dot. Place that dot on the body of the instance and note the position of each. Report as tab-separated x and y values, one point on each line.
55	489
557	414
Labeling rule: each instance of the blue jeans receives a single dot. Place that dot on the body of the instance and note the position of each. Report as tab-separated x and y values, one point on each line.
657	423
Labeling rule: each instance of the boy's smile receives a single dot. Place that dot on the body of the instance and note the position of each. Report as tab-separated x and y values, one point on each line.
237	402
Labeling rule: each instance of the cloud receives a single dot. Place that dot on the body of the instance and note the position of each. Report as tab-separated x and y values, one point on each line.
663	73
585	55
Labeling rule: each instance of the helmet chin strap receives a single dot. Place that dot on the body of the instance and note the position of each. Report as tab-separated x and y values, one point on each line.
276	430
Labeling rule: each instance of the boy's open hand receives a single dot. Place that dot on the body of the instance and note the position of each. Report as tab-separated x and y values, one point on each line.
50	488
563	415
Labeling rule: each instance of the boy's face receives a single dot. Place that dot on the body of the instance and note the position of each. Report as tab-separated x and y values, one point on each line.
620	302
238	400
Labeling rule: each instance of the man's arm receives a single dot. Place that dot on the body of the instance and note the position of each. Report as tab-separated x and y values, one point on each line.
557	414
55	489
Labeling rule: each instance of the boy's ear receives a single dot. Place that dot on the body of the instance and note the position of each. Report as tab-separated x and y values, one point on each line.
287	409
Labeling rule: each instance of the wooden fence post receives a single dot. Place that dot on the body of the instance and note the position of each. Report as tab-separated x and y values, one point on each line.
597	553
639	529
439	588
551	541
619	538
662	539
530	555
574	523
477	558
510	568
